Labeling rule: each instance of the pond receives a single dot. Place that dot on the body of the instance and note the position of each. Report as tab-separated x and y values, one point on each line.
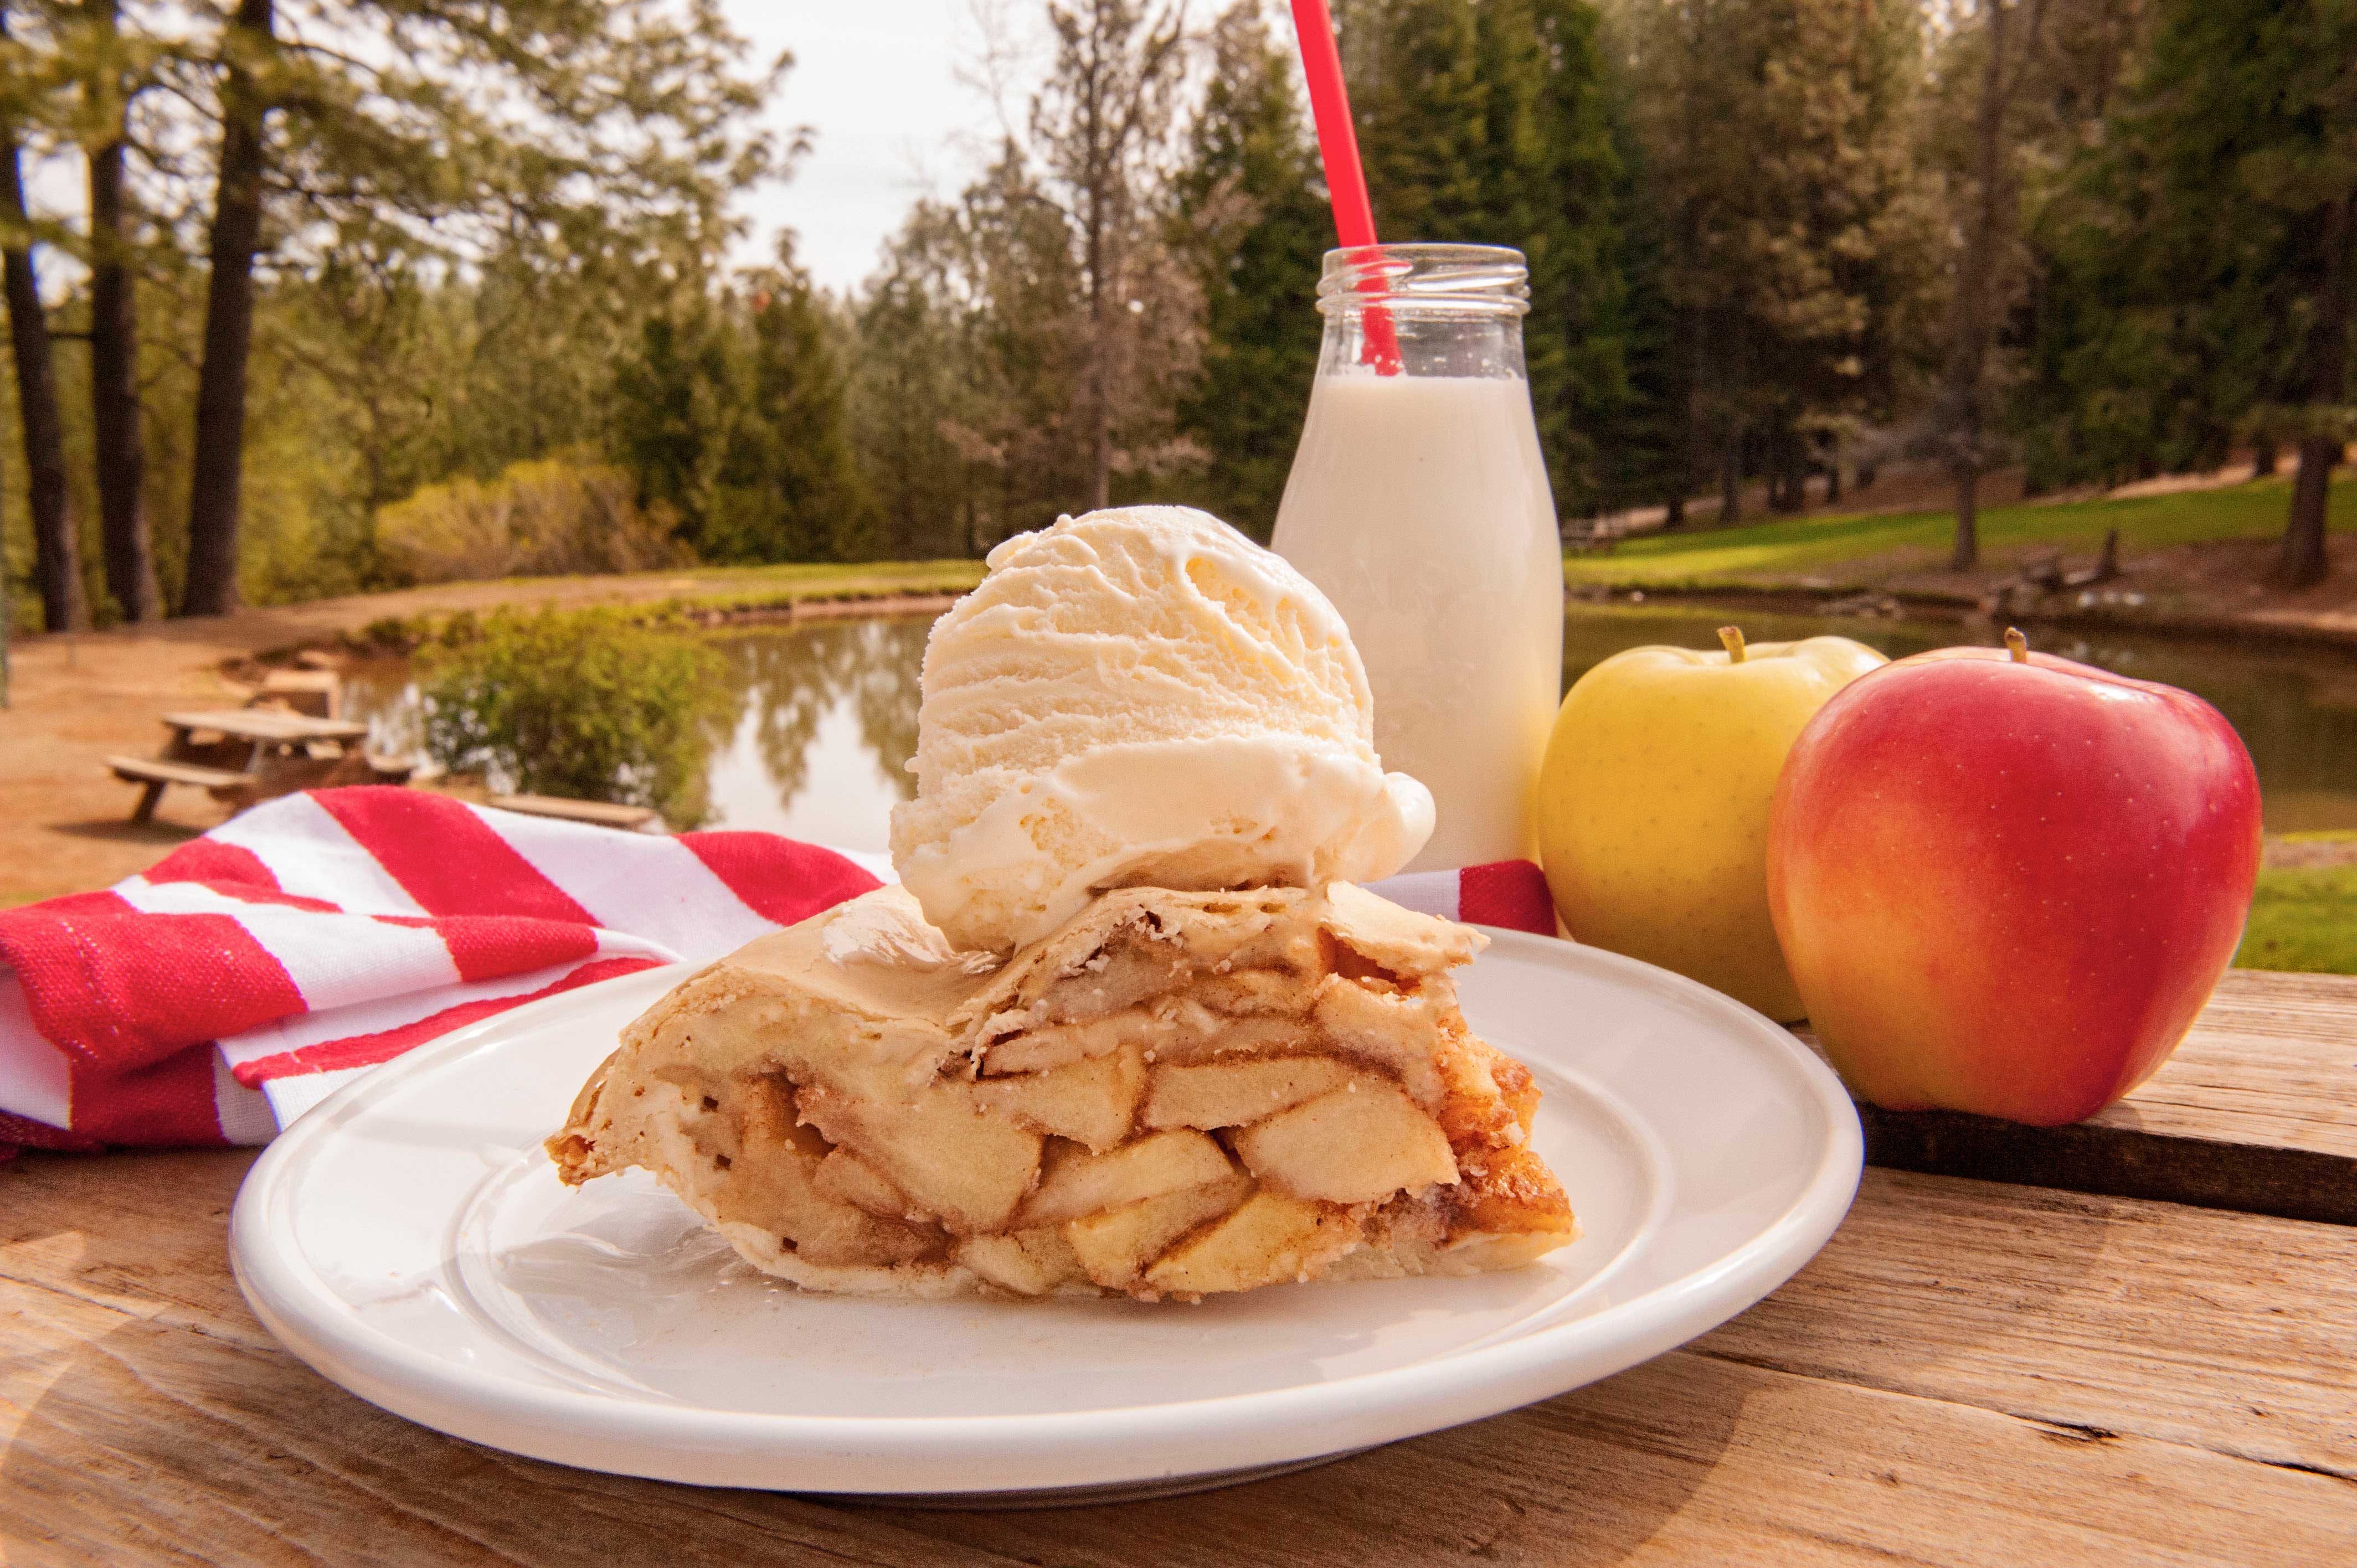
824	717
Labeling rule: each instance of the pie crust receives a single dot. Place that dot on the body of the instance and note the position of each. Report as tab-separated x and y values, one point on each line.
1173	1095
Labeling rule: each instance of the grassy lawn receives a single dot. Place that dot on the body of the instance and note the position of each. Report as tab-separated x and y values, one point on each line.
805	578
409	615
2303	917
791	580
1854	550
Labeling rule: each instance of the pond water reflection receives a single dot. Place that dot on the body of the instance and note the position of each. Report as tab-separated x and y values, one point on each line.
824	721
815	745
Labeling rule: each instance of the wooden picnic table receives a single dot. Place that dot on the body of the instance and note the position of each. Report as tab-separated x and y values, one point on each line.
253	753
262	728
1975	1371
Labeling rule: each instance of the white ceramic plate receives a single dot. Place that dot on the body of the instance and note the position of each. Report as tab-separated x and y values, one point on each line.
409	1240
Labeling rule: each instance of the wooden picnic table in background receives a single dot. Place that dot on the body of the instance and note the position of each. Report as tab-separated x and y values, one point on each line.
256	753
261	728
1998	1359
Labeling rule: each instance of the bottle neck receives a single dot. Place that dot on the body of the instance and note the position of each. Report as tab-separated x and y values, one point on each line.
1423	310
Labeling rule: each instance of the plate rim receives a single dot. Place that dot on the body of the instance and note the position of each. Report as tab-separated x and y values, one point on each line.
842	1453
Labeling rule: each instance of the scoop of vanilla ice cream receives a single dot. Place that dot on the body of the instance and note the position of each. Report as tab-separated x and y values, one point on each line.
1141	697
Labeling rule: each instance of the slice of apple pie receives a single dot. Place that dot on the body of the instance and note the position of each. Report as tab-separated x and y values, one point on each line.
1177	1093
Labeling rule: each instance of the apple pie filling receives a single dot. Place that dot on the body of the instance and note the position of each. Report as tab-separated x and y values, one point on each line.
1176	1094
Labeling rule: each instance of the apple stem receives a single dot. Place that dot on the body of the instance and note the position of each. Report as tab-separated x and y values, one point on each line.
1732	636
2017	645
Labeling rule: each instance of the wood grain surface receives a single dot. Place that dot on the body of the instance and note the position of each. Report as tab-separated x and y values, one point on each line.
1969	1374
2256	1111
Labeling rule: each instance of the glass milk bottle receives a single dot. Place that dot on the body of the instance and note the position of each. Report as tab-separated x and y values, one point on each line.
1419	503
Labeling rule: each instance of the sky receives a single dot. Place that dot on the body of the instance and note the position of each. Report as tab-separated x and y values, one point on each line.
877	82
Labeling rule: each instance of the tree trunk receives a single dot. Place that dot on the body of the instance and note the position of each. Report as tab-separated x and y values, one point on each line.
1833	482
120	453
57	546
1730	478
1967	551
2302	562
7	613
1673	515
229	323
1970	318
2262	458
1100	353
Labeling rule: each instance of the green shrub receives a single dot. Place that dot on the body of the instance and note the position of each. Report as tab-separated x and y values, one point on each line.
578	703
539	519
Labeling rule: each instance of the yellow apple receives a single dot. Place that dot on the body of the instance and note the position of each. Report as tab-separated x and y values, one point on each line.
1654	803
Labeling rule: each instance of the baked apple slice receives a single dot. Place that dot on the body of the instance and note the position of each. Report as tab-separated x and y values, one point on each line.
1176	1094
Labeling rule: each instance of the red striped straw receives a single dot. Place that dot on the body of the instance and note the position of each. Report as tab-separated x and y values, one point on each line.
1346	180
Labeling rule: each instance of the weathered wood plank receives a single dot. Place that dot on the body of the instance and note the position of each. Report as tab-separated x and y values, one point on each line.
145	1235
157	770
2272	1060
2236	1333
131	1442
1968	1374
126	1441
1691	1459
2229	1332
264	724
2256	1112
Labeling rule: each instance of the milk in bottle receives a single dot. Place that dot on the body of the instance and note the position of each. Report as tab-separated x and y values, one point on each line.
1419	503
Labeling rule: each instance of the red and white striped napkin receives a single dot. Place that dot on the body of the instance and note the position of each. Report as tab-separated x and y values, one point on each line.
255	969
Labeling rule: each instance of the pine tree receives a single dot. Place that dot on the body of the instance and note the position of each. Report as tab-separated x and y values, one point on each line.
2141	358
1423	112
1100	132
1798	232
119	448
1555	179
2215	238
732	416
670	400
793	449
1493	124
1648	452
1253	226
906	381
590	123
57	563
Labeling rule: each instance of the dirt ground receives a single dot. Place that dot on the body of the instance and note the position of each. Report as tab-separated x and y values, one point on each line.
76	700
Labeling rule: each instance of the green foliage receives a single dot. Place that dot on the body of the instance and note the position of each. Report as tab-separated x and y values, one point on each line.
468	210
1556	176
906	393
539	519
1423	111
2185	253
2303	919
504	239
979	399
1025	341
1254	228
584	705
1482	123
1799	238
731	414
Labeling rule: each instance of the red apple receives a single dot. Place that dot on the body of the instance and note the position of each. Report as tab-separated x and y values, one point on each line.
2006	883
